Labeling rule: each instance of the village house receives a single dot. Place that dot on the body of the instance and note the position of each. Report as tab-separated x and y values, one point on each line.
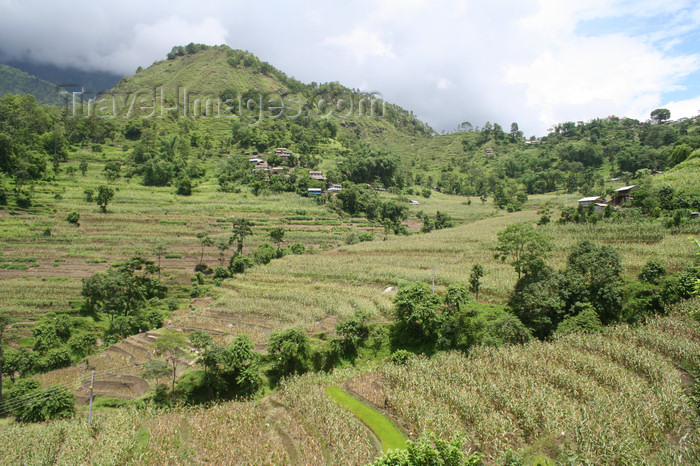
315	191
623	195
255	159
317	175
585	202
334	188
262	166
277	170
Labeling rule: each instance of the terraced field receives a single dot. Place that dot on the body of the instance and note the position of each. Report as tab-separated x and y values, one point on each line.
621	396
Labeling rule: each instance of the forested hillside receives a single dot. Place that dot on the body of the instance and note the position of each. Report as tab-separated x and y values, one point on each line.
14	81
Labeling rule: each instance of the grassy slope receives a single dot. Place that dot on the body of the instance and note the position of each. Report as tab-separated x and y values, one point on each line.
205	72
683	177
14	81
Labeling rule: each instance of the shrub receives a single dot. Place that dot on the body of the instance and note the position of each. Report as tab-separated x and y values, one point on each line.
184	187
37	405
297	248
430	449
365	236
400	356
350	334
239	263
264	254
652	272
585	320
221	272
73	218
56	359
290	351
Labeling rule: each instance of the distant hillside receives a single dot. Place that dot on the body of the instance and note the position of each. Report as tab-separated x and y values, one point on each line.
14	81
93	81
222	72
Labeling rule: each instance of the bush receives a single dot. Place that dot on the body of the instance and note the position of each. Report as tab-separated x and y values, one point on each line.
73	218
652	272
430	449
239	263
56	359
184	187
264	254
37	405
585	320
297	248
365	236
641	300
290	351
350	334
400	356
221	272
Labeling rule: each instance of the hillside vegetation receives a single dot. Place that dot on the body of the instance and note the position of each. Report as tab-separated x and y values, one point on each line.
451	282
14	81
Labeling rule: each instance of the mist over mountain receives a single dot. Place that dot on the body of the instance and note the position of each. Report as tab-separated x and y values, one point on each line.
93	81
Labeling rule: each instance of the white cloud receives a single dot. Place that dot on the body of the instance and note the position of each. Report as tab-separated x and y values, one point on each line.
625	72
361	43
683	108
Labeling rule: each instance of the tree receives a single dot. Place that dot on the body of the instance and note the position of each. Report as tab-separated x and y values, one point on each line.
593	275
159	249
475	279
83	167
242	227
104	195
514	131
652	272
123	290
171	344
222	246
200	339
660	115
522	244
205	240
155	369
31	403
415	311
290	350
233	370
81	344
277	235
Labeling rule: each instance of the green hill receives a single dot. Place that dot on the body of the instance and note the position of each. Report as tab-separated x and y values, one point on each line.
14	81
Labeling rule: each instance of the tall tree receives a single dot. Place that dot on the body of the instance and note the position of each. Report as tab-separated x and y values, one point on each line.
523	245
205	240
104	195
171	344
242	227
660	115
475	279
277	235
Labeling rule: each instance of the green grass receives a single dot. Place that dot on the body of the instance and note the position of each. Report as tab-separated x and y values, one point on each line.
388	434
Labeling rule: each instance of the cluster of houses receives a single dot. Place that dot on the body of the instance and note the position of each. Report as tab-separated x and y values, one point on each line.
620	197
260	164
284	154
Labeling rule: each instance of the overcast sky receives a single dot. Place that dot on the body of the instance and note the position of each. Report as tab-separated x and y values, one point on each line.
535	62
